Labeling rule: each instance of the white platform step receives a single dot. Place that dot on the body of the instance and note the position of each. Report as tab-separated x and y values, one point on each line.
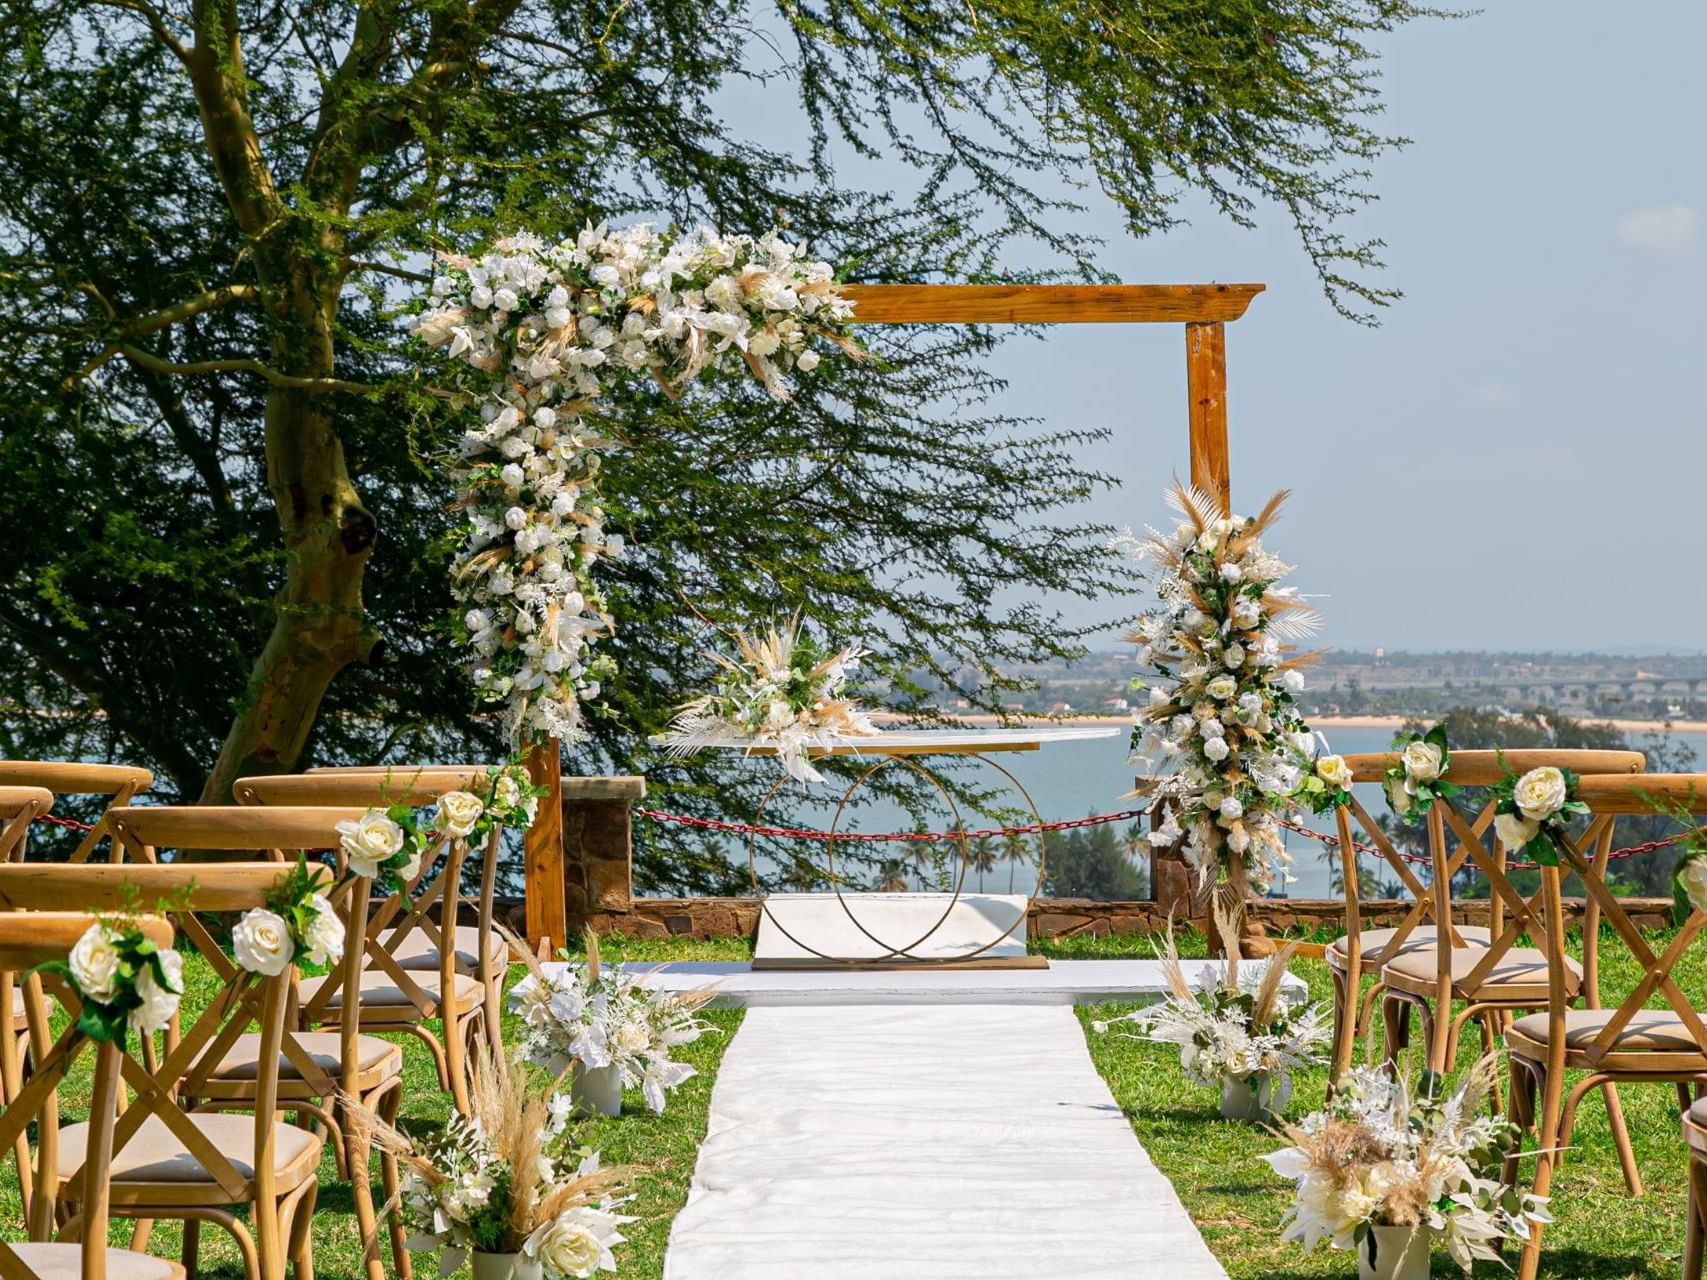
802	927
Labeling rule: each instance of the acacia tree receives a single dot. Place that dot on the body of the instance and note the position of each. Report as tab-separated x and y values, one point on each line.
227	532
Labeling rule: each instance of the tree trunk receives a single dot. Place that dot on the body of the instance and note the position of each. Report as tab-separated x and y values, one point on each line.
318	626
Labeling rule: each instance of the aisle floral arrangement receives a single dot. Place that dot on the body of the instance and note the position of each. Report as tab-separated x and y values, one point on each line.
1382	1155
505	1181
298	923
595	1017
1221	720
1235	1025
123	980
538	331
1532	813
782	690
1418	777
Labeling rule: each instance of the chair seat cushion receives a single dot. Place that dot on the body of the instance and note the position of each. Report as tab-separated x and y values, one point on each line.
1695	1128
380	992
1650	1031
65	1262
1422	938
416	950
243	1059
1521	973
154	1154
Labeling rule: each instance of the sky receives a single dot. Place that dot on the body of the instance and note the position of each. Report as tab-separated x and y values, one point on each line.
1514	458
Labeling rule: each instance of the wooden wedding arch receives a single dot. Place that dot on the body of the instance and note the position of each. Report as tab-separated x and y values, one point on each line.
1204	310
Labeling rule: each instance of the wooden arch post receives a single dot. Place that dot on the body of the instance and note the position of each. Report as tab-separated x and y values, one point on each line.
1203	309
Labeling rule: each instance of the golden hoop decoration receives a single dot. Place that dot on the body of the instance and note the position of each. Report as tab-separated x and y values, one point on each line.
904	952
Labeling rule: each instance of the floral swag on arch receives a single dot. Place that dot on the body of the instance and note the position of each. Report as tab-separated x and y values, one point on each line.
536	334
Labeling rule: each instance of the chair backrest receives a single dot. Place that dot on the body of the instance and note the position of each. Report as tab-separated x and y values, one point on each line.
20	806
1469	842
28	939
121	783
429	906
1609	798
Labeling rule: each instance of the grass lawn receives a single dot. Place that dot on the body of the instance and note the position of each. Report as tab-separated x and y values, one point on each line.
663	1147
1237	1202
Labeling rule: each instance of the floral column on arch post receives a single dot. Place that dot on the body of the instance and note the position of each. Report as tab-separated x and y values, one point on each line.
536	333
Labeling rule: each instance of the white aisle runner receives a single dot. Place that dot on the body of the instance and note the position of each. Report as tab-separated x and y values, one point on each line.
924	1142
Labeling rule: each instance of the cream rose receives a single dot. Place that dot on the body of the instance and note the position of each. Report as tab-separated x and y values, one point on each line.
1422	763
1222	687
1216	749
1334	771
159	1000
324	936
262	942
568	1246
459	811
1692	875
95	964
1514	831
369	841
1541	793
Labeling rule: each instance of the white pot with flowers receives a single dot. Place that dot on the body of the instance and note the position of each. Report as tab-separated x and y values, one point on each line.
1235	1028
1389	1170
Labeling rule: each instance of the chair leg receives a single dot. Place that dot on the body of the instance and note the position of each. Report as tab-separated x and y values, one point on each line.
1621	1139
140	1235
1693	1231
1345	1030
1522	1091
1485	1020
190	1254
494	1028
361	1191
402	1261
1550	1083
301	1247
1396	1028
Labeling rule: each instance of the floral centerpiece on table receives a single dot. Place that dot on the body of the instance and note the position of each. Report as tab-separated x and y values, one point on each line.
1417	779
538	331
124	980
1235	1024
1221	720
601	1017
1384	1155
1532	813
784	691
505	1180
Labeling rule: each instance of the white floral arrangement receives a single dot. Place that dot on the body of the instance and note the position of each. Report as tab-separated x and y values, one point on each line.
298	923
1532	812
1381	1154
123	979
1221	721
1235	1023
540	331
599	1017
506	1180
1418	777
783	690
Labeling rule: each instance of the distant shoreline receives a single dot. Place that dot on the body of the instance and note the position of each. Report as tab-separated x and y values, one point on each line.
1340	722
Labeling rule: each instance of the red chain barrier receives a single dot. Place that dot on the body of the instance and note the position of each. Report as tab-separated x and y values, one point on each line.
70	823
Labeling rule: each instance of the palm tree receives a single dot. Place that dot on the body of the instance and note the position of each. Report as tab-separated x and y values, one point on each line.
981	857
1014	852
894	876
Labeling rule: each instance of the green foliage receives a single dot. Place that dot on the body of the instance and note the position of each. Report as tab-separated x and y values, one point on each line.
1093	862
225	511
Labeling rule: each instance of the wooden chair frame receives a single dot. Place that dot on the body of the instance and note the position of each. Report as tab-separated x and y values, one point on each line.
281	1216
120	783
28	940
1542	1074
19	806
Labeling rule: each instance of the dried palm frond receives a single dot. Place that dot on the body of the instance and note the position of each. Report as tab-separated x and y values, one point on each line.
1227	930
1172	975
1196	507
1269	993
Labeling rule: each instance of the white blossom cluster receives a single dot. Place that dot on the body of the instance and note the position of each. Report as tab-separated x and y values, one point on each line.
1381	1154
612	1019
1220	725
541	331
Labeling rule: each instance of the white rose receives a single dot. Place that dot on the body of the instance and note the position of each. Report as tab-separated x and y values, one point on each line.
262	942
1222	687
1692	875
569	1247
1231	572
1233	656
1293	679
506	300
808	361
369	841
458	812
95	964
1216	749
1514	831
1230	808
159	1001
1334	771
1541	793
324	936
1206	541
1422	763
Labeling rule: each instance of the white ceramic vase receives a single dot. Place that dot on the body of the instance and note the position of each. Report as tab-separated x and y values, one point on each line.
597	1092
1247	1099
1401	1253
505	1266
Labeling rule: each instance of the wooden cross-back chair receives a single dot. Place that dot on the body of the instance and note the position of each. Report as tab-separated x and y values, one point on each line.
1629	1042
316	1068
19	806
120	783
168	1162
411	926
28	939
1409	953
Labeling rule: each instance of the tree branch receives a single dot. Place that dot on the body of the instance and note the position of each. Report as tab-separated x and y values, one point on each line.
238	365
171	315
